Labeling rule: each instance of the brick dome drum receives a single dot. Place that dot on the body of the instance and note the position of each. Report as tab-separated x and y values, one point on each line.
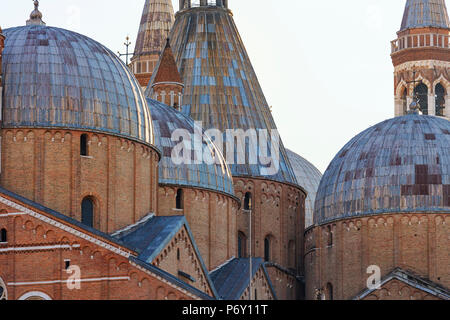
58	78
401	165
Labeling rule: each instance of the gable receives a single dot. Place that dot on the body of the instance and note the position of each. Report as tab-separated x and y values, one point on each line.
41	246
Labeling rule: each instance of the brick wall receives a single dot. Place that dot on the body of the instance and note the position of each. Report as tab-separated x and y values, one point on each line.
45	166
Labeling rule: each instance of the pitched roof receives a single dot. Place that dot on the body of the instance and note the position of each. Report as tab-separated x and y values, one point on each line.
166	69
153	234
156	22
150	268
413	280
233	278
425	13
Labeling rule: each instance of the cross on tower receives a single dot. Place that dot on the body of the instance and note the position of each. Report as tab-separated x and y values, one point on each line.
127	44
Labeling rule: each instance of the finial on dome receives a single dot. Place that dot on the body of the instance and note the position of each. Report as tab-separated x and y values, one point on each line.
36	16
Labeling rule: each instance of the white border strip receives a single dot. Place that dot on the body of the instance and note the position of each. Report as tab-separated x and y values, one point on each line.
39	248
65	227
63	281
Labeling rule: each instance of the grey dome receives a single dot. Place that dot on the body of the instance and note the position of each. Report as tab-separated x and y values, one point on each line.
58	78
308	177
216	177
401	165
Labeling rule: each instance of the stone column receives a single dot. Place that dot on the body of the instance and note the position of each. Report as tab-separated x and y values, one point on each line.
398	107
447	107
431	105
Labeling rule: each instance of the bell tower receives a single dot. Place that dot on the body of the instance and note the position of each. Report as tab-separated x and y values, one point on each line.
421	58
156	21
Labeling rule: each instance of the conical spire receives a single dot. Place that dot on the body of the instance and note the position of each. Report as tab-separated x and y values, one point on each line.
166	70
35	16
166	85
156	22
425	13
221	87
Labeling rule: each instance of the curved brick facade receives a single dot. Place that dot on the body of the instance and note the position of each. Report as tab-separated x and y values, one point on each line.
45	166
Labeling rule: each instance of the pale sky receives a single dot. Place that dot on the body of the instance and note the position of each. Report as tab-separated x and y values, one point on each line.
324	65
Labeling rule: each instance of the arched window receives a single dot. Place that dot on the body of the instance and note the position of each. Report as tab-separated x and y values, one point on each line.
84	145
329	293
405	101
440	99
3	293
242	245
248	201
179	199
87	212
267	249
3	235
422	93
330	236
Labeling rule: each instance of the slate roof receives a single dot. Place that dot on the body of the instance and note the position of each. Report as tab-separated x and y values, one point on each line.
308	177
425	13
233	278
152	235
221	87
165	275
215	176
61	79
401	165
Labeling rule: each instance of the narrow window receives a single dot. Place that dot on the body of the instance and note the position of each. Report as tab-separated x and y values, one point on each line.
266	249
330	236
178	254
329	293
242	244
248	201
421	91
84	145
179	199
3	236
256	295
87	212
440	99
66	264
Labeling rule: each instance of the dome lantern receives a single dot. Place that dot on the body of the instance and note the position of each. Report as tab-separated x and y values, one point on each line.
36	16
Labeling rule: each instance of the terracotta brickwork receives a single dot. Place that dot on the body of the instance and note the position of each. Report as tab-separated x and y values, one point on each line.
211	217
340	253
284	283
180	255
278	213
260	288
397	290
35	258
45	166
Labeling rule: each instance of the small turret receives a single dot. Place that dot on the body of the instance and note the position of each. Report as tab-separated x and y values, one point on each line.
166	84
36	16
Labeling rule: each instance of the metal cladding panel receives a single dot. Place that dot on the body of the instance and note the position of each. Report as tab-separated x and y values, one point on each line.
233	278
308	177
425	13
156	22
401	165
221	87
58	78
216	177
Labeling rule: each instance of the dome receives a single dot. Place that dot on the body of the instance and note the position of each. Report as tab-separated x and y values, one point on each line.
55	78
216	177
308	177
401	165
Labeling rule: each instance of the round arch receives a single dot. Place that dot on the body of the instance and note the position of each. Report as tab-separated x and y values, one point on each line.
35	295
3	290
